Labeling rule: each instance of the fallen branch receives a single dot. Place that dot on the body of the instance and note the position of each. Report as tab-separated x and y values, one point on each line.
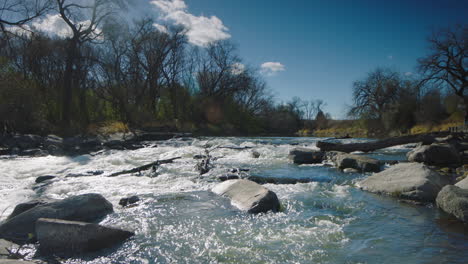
144	167
204	166
380	144
233	147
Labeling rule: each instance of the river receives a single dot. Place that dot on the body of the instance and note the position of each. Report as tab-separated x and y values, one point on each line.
179	220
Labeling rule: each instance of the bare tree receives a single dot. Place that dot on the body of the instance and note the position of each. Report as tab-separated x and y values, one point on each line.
19	12
84	21
214	73
373	95
448	61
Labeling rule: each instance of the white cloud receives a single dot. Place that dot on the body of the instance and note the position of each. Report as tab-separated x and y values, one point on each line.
54	25
271	68
24	30
201	30
237	68
168	6
161	28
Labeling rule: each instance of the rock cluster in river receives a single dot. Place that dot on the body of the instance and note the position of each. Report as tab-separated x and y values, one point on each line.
34	145
86	207
61	227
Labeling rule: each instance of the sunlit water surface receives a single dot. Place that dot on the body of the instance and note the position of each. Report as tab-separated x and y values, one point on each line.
179	220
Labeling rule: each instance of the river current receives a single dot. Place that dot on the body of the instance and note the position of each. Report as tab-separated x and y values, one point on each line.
179	220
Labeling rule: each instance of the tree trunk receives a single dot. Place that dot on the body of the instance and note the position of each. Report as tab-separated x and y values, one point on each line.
67	89
380	144
465	100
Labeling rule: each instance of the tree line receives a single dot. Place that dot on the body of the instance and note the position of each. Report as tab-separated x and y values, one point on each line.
104	68
389	102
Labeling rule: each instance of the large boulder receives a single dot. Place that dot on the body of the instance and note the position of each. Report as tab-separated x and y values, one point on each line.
306	156
248	196
357	162
409	181
454	200
87	207
23	207
69	238
435	154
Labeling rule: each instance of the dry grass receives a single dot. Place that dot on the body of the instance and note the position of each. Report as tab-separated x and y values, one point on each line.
341	132
108	127
421	129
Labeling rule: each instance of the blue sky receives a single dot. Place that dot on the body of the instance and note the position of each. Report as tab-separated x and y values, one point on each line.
323	45
313	49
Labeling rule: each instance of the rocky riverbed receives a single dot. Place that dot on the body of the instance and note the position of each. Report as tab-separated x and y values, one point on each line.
184	215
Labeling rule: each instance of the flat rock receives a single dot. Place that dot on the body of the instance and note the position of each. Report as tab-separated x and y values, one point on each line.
69	238
4	246
86	207
463	183
435	154
357	162
411	181
248	196
454	200
306	156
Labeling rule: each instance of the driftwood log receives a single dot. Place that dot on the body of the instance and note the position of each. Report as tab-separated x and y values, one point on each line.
380	144
144	167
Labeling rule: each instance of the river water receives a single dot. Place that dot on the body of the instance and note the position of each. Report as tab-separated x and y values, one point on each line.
179	220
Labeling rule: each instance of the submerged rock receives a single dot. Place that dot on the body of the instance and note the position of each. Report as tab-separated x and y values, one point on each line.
435	154
411	181
350	170
44	178
248	196
306	156
226	177
87	207
357	162
70	238
454	200
283	180
129	200
255	154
